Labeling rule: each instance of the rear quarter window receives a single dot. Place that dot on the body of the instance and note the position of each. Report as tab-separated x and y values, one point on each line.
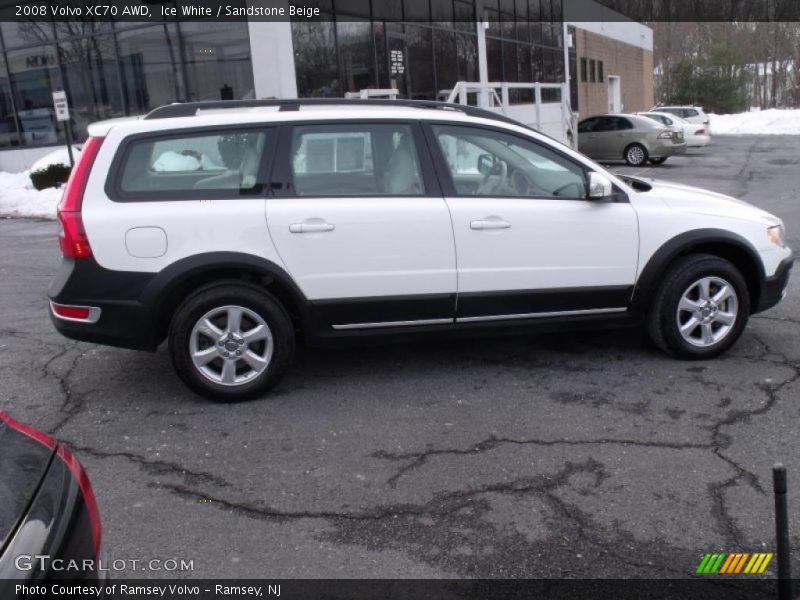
208	164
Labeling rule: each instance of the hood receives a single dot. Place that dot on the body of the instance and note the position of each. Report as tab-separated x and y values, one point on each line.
686	198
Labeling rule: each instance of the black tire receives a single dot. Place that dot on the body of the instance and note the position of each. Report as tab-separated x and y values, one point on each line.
659	161
635	155
663	317
207	300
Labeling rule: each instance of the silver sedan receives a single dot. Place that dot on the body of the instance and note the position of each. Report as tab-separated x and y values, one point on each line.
631	138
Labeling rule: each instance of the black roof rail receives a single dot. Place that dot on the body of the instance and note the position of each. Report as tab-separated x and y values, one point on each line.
189	109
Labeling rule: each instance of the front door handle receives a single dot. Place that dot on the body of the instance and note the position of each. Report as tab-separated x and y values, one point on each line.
490	223
311	226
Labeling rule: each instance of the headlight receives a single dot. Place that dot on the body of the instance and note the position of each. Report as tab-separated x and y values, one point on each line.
665	135
777	235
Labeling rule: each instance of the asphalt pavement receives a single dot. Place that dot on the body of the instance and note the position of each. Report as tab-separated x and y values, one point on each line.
564	455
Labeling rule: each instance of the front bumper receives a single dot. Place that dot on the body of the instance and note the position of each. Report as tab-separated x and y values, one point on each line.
773	289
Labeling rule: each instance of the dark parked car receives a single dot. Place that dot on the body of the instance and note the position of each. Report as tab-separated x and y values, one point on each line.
47	508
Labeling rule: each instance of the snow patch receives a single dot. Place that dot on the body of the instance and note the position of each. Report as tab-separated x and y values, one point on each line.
18	197
57	157
773	121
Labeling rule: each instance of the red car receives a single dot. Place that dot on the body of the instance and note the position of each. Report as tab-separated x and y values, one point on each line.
49	520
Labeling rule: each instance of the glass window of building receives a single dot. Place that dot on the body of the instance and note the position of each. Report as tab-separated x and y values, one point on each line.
217	61
494	59
387	11
9	123
149	63
91	80
464	15
446	57
316	72
442	12
359	8
416	10
27	33
524	65
356	54
510	61
34	74
467	46
419	71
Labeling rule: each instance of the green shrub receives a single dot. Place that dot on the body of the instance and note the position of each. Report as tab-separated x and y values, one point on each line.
52	176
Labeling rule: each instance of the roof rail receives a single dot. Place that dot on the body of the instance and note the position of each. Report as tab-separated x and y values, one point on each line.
189	109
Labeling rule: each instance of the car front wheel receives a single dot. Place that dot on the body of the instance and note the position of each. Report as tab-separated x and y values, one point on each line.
231	342
701	308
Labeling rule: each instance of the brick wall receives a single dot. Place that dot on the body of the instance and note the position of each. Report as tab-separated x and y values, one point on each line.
634	66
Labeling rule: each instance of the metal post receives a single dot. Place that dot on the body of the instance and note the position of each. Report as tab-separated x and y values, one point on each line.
537	96
782	532
68	132
481	24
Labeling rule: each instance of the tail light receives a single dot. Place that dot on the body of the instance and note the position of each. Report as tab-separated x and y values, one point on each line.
72	236
88	314
75	468
79	473
700	132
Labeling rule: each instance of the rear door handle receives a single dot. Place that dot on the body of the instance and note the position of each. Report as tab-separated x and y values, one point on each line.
490	223
311	226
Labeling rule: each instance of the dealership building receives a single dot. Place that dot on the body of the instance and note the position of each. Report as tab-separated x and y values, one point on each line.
420	48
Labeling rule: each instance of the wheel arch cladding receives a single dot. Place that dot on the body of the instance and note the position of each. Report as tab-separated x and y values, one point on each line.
175	283
717	242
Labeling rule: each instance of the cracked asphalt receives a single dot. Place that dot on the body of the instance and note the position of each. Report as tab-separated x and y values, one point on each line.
569	455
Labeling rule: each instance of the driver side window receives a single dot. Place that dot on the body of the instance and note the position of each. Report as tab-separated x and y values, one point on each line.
485	162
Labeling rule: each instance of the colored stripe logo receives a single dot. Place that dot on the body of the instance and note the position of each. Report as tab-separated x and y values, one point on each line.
734	563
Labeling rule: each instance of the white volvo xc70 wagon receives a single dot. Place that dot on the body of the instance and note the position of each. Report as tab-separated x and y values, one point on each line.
233	229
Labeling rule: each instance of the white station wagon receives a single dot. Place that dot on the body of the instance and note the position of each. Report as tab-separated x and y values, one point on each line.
234	229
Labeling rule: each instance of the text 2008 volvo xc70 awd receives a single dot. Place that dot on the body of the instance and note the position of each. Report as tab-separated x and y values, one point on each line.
232	229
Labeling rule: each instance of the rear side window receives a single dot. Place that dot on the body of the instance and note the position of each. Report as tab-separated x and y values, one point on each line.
220	164
355	160
690	112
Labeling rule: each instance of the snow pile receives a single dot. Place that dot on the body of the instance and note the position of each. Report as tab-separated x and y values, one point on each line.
18	197
773	121
57	157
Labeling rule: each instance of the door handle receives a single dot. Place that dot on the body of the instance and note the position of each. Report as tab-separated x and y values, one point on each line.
309	227
490	223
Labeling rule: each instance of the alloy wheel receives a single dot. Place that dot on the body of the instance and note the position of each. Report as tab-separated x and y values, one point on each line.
231	345
707	311
635	155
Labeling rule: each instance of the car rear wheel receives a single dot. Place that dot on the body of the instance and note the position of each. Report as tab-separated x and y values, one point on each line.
635	155
231	342
659	161
701	308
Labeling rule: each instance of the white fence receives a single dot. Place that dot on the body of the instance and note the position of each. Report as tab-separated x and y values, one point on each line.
547	112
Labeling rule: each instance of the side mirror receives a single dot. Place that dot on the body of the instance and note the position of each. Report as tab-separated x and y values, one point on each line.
599	186
485	163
